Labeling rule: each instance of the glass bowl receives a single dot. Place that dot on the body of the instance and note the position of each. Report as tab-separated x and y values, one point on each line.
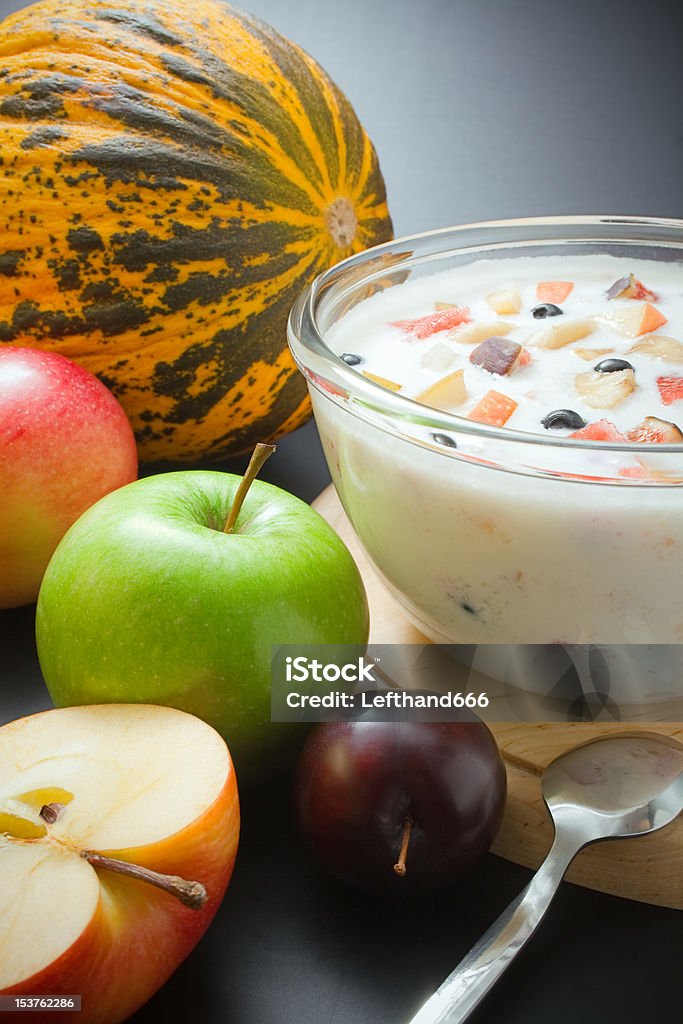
510	537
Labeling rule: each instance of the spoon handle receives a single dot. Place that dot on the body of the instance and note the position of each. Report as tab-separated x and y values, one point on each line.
467	985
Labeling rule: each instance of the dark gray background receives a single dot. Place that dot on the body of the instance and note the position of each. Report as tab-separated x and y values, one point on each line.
479	110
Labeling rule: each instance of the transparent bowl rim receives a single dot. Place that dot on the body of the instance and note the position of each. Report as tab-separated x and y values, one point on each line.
328	373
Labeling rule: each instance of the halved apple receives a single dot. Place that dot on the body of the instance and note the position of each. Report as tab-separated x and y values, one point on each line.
119	827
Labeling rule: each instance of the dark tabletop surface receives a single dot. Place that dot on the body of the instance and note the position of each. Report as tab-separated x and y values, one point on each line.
479	110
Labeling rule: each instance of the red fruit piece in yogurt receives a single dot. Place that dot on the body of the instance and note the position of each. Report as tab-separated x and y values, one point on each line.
494	408
670	389
655	431
432	323
601	430
554	291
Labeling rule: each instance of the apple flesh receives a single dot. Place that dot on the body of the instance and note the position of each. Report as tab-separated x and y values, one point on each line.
64	443
149	786
148	599
400	806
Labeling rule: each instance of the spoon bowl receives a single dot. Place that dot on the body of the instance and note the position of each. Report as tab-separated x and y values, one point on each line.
617	787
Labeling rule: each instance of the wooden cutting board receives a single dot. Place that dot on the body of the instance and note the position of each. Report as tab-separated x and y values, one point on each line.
649	869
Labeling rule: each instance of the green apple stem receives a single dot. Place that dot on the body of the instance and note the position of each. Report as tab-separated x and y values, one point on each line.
260	454
190	894
400	865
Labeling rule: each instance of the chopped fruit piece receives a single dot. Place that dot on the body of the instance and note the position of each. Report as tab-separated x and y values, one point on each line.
351	359
445	440
504	302
438	357
563	419
545	310
640	319
655	431
601	430
659	346
589	354
553	291
562	334
445	393
445	305
612	365
432	323
497	355
471	334
670	389
382	381
605	390
525	358
630	288
494	408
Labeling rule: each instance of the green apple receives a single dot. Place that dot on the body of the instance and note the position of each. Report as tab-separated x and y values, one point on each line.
147	599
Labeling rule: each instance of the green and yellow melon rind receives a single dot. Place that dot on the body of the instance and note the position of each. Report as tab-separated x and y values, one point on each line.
172	176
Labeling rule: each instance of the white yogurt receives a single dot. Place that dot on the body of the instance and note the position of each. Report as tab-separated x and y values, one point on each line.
548	382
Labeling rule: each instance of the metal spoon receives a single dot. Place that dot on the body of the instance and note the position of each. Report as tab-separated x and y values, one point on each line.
609	788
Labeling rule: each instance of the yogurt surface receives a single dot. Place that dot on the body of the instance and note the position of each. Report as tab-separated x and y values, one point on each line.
600	337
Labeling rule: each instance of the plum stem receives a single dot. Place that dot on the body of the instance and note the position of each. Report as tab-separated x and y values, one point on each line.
190	894
400	865
259	455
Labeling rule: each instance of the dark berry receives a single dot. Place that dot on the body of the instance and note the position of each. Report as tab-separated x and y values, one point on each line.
545	309
351	359
445	440
612	365
560	418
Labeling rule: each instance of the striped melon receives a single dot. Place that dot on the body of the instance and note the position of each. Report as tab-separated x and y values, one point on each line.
172	175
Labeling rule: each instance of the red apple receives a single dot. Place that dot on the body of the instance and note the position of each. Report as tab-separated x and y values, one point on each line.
89	796
400	806
65	442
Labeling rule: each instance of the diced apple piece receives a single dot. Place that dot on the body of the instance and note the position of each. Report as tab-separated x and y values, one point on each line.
553	291
591	354
505	301
494	408
497	355
642	318
446	393
472	334
605	390
660	347
630	287
562	334
655	431
382	381
441	320
670	389
438	357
